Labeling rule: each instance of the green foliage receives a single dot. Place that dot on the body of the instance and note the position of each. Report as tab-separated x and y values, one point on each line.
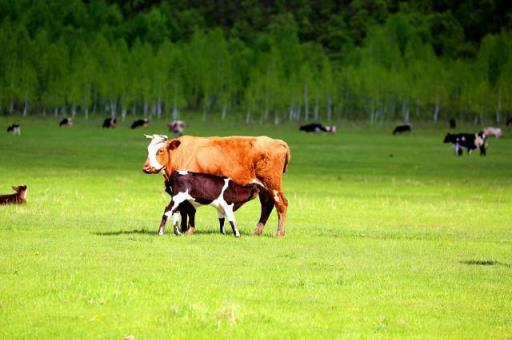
366	60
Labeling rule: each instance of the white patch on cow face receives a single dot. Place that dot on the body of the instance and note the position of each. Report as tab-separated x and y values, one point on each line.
183	172
156	144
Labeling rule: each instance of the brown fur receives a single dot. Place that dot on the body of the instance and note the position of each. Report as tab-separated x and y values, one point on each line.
17	198
243	159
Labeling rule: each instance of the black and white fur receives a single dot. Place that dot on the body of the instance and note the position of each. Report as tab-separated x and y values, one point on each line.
205	189
468	141
66	122
15	129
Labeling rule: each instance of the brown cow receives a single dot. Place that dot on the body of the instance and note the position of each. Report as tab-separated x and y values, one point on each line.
245	160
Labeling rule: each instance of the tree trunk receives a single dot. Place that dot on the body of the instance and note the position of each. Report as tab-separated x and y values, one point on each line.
498	108
145	108
247	116
224	112
86	111
306	102
436	111
329	109
405	110
25	108
73	110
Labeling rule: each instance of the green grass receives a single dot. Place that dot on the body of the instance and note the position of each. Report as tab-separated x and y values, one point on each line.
387	237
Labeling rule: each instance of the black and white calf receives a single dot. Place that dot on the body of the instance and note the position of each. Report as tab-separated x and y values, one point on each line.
402	128
15	129
316	127
204	189
66	122
468	141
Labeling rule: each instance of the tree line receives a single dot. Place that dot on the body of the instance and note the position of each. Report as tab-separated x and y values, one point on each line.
94	57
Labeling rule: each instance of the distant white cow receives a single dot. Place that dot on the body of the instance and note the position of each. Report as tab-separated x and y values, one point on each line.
492	131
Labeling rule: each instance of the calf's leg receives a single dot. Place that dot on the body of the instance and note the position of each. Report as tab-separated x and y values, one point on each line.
228	211
221	222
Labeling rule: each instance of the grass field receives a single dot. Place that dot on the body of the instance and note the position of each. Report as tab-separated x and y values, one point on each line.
387	237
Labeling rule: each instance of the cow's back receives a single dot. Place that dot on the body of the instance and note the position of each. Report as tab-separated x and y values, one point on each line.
241	158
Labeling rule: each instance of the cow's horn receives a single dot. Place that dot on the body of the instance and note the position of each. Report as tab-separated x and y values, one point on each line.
148	136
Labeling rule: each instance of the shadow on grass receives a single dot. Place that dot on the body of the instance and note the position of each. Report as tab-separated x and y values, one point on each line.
229	233
484	263
126	232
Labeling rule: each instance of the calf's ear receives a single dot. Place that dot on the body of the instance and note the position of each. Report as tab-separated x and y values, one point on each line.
173	144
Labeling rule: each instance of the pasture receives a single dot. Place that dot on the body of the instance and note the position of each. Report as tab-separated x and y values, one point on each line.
387	236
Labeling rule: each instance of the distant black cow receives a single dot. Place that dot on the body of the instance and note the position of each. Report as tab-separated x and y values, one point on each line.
316	127
140	122
468	141
402	128
453	123
15	129
509	122
109	123
66	122
204	189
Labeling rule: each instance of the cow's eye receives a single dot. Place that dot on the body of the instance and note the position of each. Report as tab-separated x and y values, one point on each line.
160	151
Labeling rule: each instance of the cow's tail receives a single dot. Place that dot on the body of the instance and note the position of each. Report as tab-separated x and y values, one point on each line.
287	158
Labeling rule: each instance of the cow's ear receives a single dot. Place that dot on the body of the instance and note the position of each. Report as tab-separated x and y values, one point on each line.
173	144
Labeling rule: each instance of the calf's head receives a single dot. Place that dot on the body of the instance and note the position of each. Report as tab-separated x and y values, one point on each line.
159	150
21	191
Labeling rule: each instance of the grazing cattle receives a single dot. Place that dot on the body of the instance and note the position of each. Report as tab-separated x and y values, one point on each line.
453	123
18	198
315	127
243	159
492	131
66	122
509	122
140	123
15	129
109	123
468	141
177	127
204	189
402	128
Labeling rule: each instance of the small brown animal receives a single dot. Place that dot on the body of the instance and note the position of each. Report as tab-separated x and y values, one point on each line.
18	198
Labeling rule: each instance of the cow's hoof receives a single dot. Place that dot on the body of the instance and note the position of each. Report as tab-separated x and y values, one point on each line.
161	233
191	231
279	234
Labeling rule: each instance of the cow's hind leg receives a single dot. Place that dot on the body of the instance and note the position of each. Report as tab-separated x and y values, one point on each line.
266	208
281	204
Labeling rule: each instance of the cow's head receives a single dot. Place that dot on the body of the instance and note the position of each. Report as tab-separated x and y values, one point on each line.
448	138
158	153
